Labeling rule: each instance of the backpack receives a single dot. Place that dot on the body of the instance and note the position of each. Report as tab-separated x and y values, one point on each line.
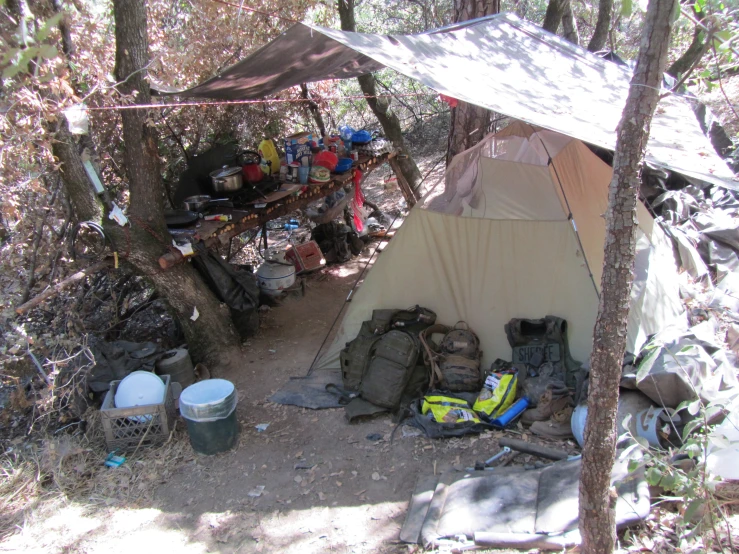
455	362
355	357
392	359
332	240
379	362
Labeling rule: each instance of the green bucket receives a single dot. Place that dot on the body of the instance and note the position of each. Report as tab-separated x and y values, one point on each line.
209	410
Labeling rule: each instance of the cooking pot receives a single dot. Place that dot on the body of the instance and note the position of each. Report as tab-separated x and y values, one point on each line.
227	179
252	171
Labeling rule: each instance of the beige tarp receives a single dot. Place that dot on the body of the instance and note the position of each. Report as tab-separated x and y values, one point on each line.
499	62
500	243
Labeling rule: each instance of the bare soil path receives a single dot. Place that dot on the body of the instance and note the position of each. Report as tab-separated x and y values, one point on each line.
310	483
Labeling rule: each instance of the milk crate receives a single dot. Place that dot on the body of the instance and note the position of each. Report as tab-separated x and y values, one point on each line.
126	428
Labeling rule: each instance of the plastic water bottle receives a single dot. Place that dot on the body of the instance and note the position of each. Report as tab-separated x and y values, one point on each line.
511	413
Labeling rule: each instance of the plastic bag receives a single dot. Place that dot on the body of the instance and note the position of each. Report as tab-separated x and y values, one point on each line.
77	119
208	400
448	409
346	132
497	395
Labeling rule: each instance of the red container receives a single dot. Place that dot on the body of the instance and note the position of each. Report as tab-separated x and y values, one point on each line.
326	159
251	169
306	257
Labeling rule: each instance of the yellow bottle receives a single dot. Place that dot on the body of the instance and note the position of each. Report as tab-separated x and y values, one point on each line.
270	159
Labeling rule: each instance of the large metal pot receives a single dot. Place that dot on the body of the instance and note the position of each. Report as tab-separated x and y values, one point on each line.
227	179
275	276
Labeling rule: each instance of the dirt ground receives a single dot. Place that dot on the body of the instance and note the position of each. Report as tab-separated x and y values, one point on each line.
352	495
311	482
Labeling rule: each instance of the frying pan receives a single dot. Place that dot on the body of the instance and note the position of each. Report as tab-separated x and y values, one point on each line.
200	202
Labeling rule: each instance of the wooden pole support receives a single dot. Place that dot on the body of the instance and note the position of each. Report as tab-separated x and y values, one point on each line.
170	259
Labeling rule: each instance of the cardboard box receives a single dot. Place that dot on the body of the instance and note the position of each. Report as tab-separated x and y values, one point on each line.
297	146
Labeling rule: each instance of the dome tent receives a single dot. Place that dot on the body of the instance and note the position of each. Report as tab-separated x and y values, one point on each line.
518	232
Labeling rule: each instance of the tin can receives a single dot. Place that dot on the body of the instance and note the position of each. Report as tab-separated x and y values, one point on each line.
293	172
354	155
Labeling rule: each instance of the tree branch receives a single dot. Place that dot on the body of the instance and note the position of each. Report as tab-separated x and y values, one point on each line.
56	289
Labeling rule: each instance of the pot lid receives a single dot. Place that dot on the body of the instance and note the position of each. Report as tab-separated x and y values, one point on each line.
225	172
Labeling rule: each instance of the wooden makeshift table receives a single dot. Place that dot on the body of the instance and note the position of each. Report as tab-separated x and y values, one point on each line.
213	233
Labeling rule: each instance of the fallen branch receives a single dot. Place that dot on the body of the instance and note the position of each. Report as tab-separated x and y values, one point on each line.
56	289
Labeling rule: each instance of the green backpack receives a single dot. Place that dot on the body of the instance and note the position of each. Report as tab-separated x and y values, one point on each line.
392	360
379	362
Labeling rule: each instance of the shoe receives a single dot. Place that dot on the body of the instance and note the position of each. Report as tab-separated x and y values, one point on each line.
549	404
557	427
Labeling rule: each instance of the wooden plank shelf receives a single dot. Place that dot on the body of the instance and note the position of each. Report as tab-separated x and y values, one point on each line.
212	233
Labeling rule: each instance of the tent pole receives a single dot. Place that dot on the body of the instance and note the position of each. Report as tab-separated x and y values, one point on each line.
570	218
574	225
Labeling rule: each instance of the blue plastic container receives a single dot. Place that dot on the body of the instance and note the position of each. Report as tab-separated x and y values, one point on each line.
345	164
303	172
511	413
361	137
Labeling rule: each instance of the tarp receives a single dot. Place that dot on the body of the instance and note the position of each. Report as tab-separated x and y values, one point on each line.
499	62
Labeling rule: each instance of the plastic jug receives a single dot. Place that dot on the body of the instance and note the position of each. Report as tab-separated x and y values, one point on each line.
270	158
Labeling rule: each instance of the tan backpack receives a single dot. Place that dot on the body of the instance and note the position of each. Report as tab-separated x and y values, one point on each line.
455	361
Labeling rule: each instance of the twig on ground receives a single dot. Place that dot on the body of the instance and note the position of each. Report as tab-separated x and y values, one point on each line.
48	293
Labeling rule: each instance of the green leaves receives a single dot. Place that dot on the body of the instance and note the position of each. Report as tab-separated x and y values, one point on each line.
17	60
692	510
48	51
668	481
45	30
675	15
653	476
627	6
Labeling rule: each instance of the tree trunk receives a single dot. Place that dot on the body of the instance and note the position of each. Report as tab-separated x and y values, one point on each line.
597	518
381	108
555	11
569	25
313	109
67	44
469	123
602	26
698	47
146	237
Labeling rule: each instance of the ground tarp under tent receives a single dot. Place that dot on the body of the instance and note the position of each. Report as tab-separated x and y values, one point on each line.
498	62
516	236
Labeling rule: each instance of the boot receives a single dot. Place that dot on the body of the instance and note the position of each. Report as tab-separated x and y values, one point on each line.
557	427
550	402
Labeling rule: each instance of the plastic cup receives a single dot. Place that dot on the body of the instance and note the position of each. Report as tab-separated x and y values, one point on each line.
303	172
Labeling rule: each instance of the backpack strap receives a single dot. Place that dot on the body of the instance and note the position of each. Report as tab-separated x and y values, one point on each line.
431	357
